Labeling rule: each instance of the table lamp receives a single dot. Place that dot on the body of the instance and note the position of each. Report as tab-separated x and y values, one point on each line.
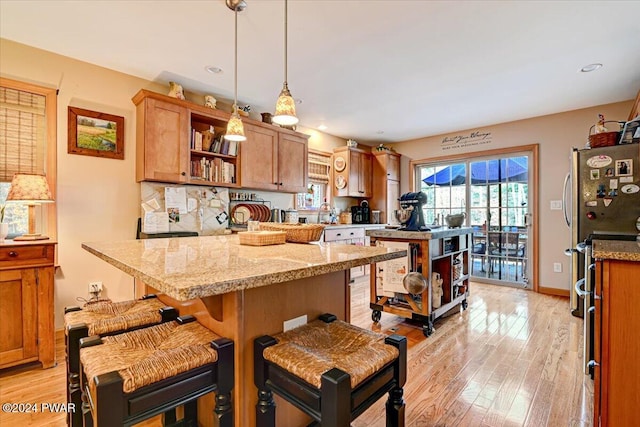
31	189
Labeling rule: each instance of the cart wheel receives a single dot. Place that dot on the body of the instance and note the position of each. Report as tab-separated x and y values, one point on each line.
376	315
465	304
427	329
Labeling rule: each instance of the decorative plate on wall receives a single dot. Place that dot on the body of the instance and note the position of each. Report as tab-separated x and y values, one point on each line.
341	182
339	164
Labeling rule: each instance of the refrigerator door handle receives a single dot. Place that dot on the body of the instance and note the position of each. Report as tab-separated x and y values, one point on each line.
564	199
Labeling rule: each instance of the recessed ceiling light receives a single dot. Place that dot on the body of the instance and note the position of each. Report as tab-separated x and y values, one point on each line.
591	67
322	127
212	69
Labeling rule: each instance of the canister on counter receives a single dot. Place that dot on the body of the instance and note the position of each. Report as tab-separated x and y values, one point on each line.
345	217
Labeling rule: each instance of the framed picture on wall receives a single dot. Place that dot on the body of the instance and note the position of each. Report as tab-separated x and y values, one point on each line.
92	133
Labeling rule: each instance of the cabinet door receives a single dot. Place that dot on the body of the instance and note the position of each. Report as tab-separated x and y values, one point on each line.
19	313
392	204
259	158
163	145
364	185
393	167
353	183
292	163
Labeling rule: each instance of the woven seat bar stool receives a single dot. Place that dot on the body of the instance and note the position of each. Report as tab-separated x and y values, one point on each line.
136	375
330	370
104	318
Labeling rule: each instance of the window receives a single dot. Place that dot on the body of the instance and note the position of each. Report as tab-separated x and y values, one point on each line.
27	145
318	186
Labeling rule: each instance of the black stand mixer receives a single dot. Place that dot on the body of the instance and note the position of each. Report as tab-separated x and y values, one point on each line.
410	214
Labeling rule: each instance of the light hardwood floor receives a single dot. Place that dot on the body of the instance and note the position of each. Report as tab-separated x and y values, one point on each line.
513	358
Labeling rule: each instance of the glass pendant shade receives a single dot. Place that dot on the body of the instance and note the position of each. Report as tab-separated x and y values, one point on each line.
235	128
285	108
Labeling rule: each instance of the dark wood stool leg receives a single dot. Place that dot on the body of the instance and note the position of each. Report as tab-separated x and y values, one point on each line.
336	398
225	381
266	407
73	335
395	404
108	411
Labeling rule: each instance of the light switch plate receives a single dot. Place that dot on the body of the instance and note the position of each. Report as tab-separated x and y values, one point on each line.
295	322
557	267
556	205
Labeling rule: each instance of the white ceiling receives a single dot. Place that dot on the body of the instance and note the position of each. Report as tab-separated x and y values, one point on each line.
406	68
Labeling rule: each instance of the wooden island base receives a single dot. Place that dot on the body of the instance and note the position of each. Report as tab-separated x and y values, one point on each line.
245	315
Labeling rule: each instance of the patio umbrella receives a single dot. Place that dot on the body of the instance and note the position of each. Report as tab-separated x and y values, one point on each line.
482	172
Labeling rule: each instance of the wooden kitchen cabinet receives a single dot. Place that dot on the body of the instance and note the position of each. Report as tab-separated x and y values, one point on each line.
27	305
351	175
162	150
617	345
169	148
274	160
386	185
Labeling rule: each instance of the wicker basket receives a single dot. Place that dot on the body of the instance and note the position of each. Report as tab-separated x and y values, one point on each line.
603	139
296	233
262	238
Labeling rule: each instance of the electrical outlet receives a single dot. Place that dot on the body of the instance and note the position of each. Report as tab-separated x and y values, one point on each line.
557	267
95	287
295	322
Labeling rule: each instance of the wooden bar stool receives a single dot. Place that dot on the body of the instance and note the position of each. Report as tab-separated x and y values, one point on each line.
136	375
104	318
331	370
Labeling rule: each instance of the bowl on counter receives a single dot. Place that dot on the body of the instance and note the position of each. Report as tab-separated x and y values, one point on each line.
455	220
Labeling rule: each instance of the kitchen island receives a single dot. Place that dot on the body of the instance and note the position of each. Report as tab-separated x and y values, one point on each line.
242	292
440	255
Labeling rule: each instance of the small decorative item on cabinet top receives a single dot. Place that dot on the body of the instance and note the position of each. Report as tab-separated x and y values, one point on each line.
351	143
599	135
175	91
210	101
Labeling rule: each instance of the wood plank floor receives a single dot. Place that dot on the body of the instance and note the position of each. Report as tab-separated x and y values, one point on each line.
513	358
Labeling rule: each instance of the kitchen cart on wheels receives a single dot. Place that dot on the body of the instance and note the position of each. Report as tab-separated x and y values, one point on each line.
441	256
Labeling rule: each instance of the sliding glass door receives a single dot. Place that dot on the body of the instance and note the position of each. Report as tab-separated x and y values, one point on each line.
493	192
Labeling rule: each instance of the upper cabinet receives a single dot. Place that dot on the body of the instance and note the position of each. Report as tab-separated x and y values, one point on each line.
162	132
274	160
181	142
351	172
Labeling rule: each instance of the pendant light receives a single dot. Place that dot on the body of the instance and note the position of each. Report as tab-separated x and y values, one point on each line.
235	128
285	114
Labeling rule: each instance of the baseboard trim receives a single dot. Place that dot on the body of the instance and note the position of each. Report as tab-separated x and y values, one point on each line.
553	291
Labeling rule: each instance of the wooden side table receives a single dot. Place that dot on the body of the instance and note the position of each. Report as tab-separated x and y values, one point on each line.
27	330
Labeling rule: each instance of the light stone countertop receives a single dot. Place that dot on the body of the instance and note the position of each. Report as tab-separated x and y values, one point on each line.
191	267
437	233
616	249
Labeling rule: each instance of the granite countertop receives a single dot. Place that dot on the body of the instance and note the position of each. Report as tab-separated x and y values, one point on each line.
616	249
192	267
437	233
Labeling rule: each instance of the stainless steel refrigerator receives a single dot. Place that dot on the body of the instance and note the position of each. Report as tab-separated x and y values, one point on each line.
604	197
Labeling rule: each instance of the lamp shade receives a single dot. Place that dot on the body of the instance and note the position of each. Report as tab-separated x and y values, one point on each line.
30	189
285	108
235	129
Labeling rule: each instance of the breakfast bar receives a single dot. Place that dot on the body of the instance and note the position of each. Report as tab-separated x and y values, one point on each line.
242	292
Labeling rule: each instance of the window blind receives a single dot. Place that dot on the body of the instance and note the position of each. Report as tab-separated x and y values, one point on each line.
22	133
319	165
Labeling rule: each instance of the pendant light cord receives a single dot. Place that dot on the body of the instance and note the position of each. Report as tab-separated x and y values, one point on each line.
235	88
285	40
